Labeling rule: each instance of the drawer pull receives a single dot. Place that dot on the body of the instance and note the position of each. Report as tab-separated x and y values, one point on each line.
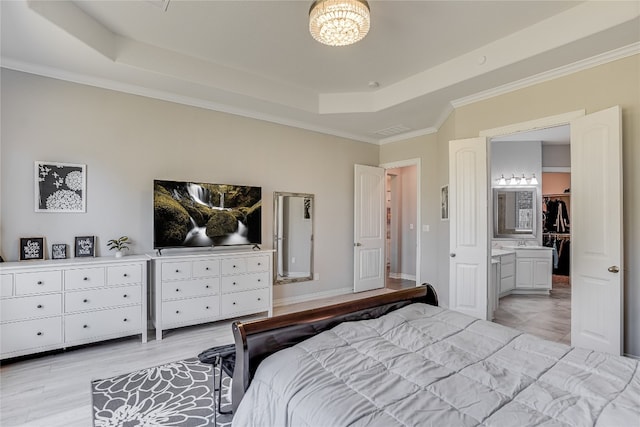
40	282
234	283
39	334
234	266
177	271
125	275
177	289
125	296
259	299
207	286
85	326
125	320
177	311
259	280
206	268
207	307
39	305
85	278
259	263
234	303
85	300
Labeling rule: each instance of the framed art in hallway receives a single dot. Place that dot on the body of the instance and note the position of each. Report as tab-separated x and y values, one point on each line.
60	187
31	248
85	246
444	203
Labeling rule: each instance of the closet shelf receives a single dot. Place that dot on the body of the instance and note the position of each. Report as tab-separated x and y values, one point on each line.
557	195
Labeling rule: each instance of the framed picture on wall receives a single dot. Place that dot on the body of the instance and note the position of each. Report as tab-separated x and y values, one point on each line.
31	248
444	203
85	246
59	251
60	187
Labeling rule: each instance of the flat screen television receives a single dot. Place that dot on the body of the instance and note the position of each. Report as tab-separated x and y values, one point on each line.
198	214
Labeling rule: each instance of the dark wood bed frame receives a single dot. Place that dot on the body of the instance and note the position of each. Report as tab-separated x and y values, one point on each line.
255	340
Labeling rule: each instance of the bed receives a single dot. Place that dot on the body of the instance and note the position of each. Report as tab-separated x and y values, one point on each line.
399	359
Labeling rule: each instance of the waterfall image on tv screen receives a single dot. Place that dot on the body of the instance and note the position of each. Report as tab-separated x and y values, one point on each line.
199	214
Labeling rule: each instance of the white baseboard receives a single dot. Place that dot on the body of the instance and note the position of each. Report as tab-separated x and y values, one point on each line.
313	296
402	276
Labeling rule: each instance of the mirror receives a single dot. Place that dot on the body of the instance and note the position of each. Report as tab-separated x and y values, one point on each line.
514	212
293	237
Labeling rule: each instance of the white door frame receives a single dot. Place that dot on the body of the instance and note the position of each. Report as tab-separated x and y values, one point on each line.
417	163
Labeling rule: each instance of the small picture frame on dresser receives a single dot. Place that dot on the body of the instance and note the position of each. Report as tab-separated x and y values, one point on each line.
85	246
31	248
59	251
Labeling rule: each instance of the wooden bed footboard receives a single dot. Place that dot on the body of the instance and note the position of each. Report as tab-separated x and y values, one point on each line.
255	340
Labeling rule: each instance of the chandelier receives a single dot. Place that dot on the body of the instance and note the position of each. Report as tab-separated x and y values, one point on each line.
339	22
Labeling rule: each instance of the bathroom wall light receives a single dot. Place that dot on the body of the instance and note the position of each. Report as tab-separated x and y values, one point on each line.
513	180
533	180
502	180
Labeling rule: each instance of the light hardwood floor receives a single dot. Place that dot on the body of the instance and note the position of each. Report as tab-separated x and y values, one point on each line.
55	389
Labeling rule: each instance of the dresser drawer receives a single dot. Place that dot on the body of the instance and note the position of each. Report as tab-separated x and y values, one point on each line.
31	307
244	282
249	301
6	285
188	310
258	263
84	278
234	266
190	288
86	326
30	334
176	270
507	270
206	268
124	274
38	282
101	298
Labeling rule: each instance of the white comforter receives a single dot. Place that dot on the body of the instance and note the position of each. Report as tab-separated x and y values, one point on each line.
424	365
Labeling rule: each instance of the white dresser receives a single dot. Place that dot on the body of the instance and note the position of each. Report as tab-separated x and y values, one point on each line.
193	288
47	305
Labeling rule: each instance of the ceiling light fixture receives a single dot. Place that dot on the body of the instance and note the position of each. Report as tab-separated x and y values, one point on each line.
339	22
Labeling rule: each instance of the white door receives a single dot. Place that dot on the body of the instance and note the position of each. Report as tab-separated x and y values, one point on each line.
369	235
596	232
468	241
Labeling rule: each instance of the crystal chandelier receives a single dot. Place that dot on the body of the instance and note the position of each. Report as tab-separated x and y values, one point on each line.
339	22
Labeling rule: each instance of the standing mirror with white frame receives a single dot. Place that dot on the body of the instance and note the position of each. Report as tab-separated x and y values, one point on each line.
293	237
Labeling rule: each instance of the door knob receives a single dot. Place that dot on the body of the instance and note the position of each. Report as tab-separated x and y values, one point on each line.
357	244
452	255
614	269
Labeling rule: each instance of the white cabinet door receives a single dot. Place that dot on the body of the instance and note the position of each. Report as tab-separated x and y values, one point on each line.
596	233
468	241
542	273
524	273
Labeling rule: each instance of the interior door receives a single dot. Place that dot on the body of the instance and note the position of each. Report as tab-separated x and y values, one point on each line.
596	233
468	241
369	230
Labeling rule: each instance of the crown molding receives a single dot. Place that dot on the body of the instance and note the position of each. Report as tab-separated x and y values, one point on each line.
566	70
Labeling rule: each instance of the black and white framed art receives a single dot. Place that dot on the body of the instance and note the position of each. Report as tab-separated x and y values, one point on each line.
31	248
444	203
60	187
85	246
59	251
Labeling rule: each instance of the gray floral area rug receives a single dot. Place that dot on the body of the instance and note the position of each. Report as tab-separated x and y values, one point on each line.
176	394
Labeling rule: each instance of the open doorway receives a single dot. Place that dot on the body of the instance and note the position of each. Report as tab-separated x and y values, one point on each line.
401	226
545	154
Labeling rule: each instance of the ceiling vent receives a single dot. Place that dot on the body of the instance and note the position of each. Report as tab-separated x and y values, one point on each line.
392	130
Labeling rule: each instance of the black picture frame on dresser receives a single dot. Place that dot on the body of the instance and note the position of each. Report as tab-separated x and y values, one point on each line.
85	246
31	248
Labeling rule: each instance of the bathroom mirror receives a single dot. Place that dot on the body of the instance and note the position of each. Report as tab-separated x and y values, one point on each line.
514	212
293	237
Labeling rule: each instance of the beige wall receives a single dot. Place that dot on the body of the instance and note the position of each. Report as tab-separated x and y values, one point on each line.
595	89
126	141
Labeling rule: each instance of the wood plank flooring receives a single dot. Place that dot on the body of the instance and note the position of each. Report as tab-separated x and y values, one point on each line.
55	389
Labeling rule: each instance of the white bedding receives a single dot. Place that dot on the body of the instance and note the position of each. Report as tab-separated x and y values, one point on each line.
424	365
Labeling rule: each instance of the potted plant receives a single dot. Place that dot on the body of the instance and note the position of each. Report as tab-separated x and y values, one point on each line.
119	245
